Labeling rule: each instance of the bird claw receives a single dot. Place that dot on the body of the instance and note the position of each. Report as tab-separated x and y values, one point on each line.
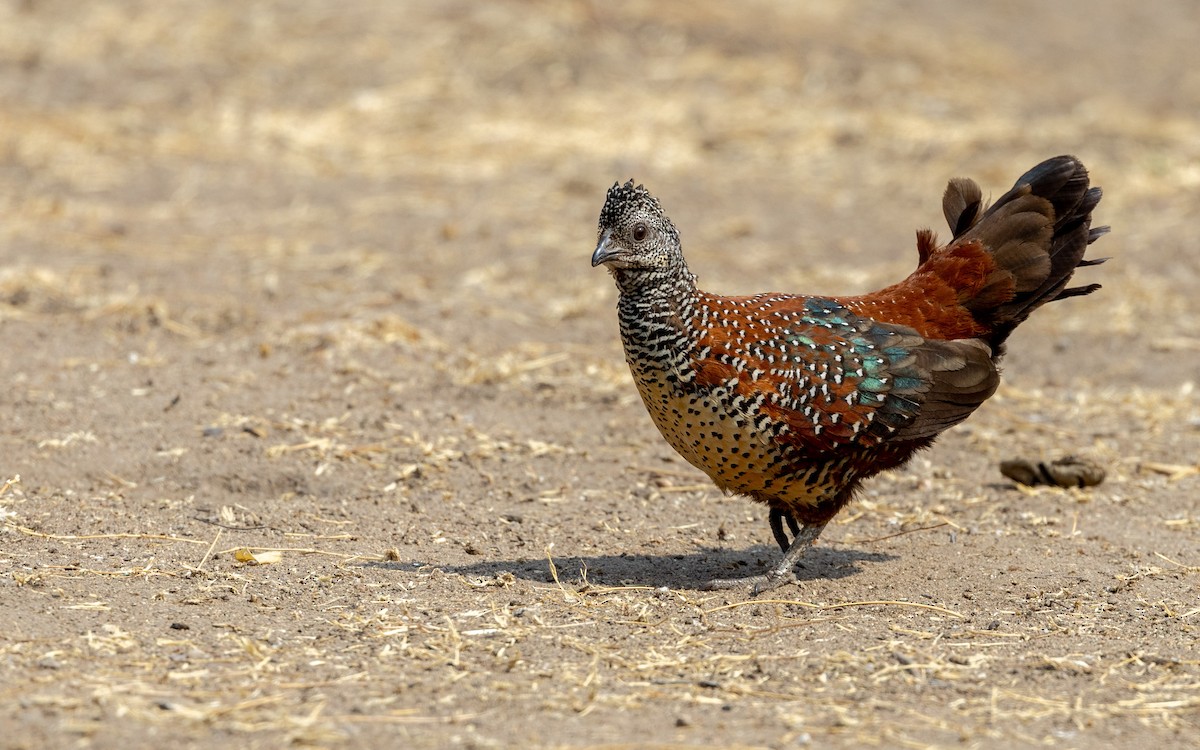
774	580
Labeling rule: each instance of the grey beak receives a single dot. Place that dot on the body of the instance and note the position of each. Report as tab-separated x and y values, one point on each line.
604	251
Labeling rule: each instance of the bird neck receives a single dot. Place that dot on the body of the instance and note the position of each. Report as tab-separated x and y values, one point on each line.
658	303
673	281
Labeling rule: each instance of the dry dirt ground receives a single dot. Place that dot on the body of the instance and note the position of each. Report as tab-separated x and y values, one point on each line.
324	436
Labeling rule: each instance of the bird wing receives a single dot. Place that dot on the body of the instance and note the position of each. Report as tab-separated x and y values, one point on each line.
808	371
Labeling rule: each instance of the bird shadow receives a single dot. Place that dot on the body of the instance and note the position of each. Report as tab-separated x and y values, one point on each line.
679	571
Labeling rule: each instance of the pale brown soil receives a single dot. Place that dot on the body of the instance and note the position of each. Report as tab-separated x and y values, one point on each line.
313	278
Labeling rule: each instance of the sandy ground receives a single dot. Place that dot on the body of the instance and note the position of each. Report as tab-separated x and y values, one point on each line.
306	285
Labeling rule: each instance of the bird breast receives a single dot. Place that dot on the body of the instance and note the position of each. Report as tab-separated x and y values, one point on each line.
718	430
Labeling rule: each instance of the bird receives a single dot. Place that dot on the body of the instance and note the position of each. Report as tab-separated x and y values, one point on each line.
793	400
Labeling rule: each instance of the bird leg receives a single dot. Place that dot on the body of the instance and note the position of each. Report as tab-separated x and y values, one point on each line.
794	526
775	518
784	572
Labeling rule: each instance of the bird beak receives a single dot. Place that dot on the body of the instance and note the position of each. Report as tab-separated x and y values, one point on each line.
604	250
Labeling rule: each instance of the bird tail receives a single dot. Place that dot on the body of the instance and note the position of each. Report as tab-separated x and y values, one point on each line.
1036	235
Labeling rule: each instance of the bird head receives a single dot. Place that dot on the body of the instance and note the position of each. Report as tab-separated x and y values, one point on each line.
635	236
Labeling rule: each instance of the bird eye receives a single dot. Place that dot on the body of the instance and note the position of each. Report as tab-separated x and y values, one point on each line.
639	232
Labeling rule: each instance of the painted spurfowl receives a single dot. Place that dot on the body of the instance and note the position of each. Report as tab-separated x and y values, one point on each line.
793	400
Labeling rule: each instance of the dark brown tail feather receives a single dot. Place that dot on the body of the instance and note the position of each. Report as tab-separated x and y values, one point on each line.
1037	232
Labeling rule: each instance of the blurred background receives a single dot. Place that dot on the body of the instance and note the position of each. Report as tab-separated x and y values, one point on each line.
218	154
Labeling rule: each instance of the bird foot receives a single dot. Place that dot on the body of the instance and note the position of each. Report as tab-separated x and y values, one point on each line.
757	584
784	572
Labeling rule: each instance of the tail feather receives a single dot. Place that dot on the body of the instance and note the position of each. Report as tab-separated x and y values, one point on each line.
1036	233
961	203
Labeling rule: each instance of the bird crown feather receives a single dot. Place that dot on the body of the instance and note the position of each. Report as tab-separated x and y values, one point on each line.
626	199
